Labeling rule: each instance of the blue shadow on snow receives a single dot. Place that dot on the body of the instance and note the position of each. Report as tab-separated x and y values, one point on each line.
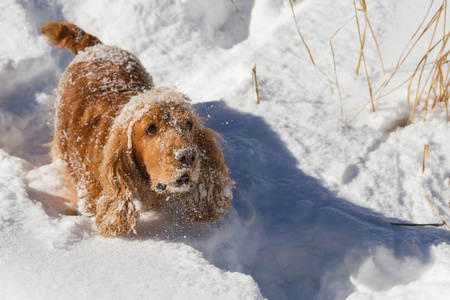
296	238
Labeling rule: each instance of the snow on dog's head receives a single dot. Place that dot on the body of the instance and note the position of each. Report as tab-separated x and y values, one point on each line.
159	138
141	104
160	128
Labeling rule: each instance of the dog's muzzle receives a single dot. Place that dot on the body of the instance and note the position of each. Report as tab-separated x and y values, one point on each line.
182	184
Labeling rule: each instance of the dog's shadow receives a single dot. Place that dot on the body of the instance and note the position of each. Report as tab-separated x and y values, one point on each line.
285	228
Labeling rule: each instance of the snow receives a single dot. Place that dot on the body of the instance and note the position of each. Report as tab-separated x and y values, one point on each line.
135	109
313	201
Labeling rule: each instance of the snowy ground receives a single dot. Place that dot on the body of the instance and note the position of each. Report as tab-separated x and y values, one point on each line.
313	201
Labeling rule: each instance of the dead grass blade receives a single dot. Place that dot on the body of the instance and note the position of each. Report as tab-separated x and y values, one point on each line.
419	225
255	84
335	67
403	58
367	24
426	151
422	65
240	17
436	83
361	50
439	82
436	212
430	224
363	58
306	45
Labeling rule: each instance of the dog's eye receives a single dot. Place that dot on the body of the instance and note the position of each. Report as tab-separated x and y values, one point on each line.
151	130
189	126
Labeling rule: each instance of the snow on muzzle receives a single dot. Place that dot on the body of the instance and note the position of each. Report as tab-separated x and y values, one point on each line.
186	176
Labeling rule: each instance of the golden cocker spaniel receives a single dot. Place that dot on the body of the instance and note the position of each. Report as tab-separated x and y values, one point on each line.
127	145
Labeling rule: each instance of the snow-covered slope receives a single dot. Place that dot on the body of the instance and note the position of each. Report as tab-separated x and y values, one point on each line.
313	201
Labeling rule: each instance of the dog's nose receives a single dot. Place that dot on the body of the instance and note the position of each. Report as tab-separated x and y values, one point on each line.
161	187
186	156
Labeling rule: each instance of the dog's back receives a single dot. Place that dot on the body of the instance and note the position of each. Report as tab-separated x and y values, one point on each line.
90	93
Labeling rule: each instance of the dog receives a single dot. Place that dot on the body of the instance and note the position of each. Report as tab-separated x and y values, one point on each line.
126	145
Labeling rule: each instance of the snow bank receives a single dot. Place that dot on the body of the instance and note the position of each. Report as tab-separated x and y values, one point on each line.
24	76
45	255
313	201
402	279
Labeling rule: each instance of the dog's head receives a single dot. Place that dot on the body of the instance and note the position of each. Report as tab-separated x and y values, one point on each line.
164	144
158	144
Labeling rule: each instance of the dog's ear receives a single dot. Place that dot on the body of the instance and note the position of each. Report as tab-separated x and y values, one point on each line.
211	199
117	208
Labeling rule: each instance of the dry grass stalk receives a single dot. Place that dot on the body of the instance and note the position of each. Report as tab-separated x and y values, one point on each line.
301	36
425	155
362	55
361	50
335	67
255	84
439	82
419	225
404	55
423	62
240	17
436	212
438	66
430	224
306	45
367	24
426	151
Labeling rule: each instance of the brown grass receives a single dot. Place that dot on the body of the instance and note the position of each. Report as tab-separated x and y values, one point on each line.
367	24
362	39
240	17
435	88
426	151
436	212
255	84
405	53
335	67
432	88
306	45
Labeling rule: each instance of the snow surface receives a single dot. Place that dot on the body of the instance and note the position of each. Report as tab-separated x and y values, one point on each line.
313	201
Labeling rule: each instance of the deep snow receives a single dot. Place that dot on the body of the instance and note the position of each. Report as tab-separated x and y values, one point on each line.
313	201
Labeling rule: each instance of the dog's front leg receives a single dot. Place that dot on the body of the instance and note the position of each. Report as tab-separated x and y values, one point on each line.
115	217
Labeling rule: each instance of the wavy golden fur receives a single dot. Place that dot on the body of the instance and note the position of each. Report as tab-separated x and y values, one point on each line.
127	145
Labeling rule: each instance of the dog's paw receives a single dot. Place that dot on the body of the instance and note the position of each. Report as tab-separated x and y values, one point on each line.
116	218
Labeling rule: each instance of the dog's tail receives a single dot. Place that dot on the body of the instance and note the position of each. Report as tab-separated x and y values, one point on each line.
69	36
